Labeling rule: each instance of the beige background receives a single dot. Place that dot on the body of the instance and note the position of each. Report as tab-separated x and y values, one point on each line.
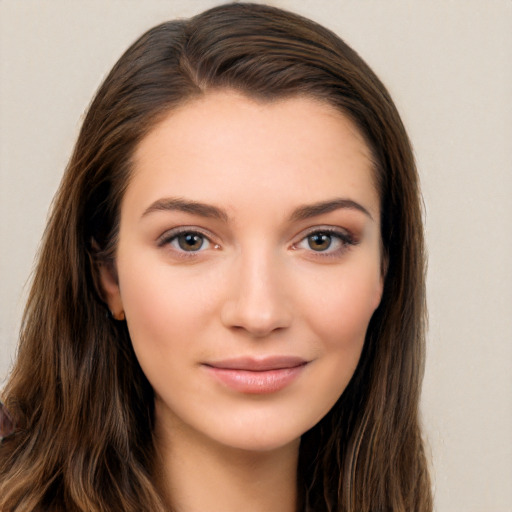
448	65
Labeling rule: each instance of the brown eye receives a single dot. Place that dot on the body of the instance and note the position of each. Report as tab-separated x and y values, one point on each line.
319	241
326	242
190	241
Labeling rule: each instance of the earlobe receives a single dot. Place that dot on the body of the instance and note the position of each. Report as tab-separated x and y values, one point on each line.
109	289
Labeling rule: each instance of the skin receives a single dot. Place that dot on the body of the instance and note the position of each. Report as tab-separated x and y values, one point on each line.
255	283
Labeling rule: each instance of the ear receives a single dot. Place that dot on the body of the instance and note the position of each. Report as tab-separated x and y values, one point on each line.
109	288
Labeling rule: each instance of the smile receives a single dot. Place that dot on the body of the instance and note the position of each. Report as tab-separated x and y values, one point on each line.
257	376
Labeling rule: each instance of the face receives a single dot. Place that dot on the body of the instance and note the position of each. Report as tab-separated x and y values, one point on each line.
248	266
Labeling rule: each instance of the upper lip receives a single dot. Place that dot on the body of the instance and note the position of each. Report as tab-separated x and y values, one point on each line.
258	364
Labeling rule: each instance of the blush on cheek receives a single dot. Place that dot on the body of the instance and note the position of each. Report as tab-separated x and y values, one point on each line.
345	313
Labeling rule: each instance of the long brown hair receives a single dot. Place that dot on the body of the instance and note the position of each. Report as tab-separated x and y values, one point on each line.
83	407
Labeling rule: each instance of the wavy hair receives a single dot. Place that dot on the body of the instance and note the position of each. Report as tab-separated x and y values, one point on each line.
82	405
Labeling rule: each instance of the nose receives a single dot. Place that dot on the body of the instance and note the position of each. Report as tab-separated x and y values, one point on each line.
256	303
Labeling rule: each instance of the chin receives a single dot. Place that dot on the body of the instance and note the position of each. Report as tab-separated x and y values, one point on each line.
261	443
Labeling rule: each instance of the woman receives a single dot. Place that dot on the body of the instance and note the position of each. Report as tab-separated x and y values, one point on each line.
228	309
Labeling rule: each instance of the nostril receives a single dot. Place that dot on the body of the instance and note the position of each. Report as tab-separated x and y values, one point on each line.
254	321
257	330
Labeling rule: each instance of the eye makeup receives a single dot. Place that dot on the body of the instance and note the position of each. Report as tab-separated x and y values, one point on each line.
187	242
326	242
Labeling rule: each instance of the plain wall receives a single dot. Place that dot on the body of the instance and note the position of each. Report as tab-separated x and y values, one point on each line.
448	65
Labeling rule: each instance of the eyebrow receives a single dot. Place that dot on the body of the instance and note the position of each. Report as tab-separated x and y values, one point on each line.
315	209
187	206
213	212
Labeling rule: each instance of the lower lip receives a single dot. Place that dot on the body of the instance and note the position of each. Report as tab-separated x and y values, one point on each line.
256	382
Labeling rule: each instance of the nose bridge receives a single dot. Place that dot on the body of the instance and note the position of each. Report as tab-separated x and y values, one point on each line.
257	298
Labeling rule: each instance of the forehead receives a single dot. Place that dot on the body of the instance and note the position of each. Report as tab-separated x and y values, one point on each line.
225	145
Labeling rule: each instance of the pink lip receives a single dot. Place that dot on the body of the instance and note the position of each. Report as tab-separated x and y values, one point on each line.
257	376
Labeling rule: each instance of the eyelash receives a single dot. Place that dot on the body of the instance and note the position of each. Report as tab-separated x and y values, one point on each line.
173	235
345	239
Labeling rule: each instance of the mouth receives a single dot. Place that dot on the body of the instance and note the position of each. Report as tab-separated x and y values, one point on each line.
257	376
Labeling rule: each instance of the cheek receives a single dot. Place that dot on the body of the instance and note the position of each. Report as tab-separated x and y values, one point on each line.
163	311
341	308
339	314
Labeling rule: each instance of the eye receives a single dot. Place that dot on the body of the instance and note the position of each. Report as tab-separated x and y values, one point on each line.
326	241
320	241
190	242
185	240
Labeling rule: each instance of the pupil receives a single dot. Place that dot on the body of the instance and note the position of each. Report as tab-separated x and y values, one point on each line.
319	242
190	242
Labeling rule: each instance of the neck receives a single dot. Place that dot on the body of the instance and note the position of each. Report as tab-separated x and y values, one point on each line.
198	475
